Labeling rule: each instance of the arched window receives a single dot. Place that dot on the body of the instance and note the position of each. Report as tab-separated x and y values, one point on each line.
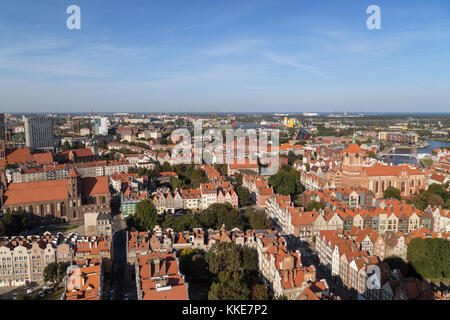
382	186
403	186
42	210
52	209
376	187
103	199
31	209
63	209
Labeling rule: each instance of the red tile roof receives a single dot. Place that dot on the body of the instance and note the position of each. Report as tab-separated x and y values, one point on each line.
39	191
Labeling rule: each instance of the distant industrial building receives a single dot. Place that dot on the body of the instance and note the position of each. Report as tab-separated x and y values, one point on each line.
39	133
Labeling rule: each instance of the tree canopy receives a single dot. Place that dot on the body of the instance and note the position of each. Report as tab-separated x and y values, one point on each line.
219	214
286	182
245	198
13	223
430	257
55	272
436	195
314	205
146	216
392	193
257	220
235	271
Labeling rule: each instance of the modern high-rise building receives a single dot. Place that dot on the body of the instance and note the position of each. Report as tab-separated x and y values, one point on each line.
39	133
103	128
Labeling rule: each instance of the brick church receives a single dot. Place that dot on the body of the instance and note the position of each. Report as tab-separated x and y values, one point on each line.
378	177
67	199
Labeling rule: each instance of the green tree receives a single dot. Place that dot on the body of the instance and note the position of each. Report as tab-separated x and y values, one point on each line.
13	223
435	200
260	292
257	220
245	199
428	162
238	178
392	193
219	214
286	181
175	183
198	177
193	264
291	157
55	271
229	286
314	205
166	167
372	154
430	258
146	215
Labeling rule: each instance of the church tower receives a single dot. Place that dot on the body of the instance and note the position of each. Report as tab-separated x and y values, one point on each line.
74	184
352	166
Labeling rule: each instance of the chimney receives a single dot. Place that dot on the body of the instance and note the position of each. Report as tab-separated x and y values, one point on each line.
156	263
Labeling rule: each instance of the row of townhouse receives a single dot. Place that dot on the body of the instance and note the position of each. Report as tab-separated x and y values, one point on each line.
195	199
282	269
23	259
354	198
389	216
203	240
345	261
95	247
259	189
342	255
441	219
61	171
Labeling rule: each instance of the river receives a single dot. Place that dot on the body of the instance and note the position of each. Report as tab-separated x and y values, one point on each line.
402	159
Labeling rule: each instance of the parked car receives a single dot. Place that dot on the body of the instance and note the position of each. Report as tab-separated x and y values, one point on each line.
41	294
125	296
14	296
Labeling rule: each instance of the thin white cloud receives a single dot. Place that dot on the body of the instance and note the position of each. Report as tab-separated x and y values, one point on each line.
288	62
236	47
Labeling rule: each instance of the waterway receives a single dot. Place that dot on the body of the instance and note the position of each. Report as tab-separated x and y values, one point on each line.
404	159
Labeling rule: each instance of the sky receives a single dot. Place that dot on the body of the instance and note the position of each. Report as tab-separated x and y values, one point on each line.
224	56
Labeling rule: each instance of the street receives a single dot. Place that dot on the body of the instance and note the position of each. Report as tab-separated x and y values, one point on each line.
122	284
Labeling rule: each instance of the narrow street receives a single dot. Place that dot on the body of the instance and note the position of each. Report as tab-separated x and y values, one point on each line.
120	282
309	258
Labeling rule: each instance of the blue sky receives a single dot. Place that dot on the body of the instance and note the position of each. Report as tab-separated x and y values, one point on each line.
225	55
